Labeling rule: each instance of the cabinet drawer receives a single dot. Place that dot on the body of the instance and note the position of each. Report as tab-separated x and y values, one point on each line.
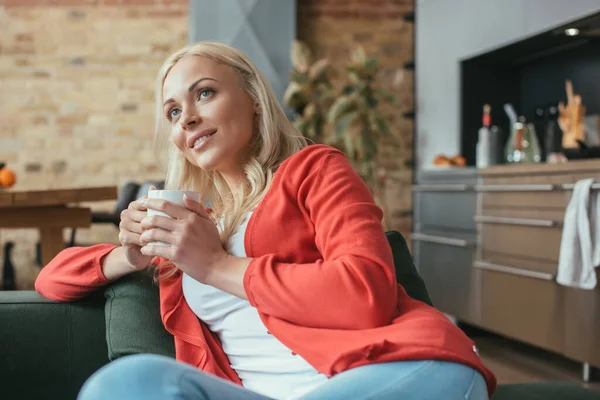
550	268
521	237
582	315
557	199
445	264
446	209
524	308
545	191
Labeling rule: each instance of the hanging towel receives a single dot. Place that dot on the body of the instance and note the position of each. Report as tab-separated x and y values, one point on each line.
580	247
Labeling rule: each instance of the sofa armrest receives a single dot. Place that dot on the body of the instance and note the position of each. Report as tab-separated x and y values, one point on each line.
49	348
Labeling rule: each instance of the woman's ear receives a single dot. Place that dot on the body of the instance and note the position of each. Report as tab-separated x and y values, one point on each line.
257	109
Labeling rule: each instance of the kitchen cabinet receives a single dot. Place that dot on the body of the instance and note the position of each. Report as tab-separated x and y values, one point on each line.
487	244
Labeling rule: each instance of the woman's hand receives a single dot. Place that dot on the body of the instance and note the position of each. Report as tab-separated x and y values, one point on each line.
191	237
130	230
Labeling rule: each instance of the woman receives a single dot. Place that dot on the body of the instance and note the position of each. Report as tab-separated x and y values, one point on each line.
292	292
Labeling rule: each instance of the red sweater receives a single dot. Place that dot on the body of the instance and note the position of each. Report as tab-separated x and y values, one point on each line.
322	278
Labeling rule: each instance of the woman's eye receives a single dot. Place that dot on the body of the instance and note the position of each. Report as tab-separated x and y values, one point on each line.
204	93
174	112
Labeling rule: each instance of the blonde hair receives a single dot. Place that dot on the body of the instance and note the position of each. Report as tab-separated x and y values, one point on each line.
274	140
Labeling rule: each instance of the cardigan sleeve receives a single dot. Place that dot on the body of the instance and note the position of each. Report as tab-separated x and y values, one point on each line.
74	273
353	286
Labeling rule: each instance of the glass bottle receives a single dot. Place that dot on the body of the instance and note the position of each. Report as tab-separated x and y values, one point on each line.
522	145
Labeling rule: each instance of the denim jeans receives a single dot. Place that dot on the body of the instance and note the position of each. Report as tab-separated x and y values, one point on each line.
151	377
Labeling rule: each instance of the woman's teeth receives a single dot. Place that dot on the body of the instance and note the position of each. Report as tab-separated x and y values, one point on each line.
201	140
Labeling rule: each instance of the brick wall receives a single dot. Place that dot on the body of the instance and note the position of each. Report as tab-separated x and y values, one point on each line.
331	28
76	84
77	79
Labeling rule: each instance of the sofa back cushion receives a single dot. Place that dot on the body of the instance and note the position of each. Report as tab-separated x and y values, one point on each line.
133	323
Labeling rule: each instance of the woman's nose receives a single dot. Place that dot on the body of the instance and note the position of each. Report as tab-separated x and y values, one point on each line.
190	120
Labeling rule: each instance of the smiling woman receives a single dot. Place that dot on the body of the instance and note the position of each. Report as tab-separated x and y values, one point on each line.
216	108
286	287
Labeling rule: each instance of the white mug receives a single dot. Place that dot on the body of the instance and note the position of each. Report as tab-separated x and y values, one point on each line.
174	196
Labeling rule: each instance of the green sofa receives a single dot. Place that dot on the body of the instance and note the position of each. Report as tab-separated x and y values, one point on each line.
48	349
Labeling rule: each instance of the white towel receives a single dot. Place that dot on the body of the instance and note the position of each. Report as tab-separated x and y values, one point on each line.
580	247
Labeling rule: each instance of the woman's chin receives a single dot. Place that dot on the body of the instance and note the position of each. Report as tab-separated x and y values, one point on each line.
206	160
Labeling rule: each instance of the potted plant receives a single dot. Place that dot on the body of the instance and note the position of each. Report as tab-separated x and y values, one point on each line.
356	120
360	118
309	93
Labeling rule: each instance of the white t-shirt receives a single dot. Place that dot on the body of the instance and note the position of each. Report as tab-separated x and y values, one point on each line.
263	363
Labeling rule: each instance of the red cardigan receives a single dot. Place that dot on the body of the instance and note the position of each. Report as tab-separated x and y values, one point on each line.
322	279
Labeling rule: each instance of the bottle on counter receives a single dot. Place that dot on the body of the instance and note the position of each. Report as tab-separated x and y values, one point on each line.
522	145
486	152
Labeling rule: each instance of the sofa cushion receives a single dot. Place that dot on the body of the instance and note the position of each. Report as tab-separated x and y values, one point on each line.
133	323
406	272
48	348
544	391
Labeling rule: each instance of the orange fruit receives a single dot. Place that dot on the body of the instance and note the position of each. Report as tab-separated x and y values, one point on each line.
7	178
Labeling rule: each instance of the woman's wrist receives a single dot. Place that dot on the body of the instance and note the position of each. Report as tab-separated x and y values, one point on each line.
227	274
115	265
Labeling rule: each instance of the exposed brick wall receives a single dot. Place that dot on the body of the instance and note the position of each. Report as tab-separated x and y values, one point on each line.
76	104
331	28
77	79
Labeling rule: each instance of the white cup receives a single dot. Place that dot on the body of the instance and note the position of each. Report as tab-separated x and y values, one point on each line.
174	196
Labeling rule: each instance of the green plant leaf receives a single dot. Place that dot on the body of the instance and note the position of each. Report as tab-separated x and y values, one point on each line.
349	147
348	89
371	102
317	71
293	95
371	64
382	126
369	145
301	55
345	121
301	124
299	77
341	106
354	77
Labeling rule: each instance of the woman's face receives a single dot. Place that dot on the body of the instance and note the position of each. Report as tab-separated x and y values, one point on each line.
210	115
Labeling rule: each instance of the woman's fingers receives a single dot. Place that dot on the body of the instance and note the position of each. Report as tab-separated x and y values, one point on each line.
157	235
158	221
130	225
127	238
138	204
157	251
134	215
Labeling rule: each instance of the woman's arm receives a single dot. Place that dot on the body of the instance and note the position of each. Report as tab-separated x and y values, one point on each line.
77	271
352	287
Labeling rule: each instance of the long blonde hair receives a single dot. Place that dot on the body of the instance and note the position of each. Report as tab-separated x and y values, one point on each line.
274	140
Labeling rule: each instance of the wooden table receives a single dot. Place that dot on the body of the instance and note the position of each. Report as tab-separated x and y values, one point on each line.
50	211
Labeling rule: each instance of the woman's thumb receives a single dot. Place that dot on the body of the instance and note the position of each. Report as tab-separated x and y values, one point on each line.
194	206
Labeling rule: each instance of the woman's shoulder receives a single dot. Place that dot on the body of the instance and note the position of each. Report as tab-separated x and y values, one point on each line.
309	158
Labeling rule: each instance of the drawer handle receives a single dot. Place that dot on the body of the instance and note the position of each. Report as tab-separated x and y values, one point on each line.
513	270
441	188
515	188
439	239
530	188
571	186
517	221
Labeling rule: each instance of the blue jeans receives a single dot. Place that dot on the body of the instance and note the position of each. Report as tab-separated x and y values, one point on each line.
152	377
